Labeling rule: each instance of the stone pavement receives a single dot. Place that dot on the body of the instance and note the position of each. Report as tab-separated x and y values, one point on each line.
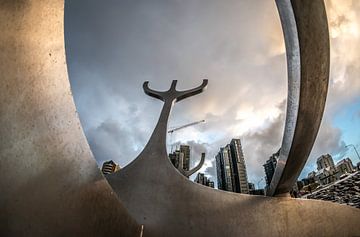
345	191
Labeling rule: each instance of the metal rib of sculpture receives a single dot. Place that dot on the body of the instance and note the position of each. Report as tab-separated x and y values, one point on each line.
168	204
192	171
50	184
307	51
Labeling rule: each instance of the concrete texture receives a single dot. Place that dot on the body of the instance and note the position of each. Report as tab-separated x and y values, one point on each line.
168	204
50	184
345	191
158	196
192	171
306	36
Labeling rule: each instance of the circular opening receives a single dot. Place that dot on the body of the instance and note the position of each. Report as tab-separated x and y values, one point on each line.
114	46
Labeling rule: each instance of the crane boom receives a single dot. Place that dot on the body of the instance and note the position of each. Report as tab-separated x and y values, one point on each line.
185	126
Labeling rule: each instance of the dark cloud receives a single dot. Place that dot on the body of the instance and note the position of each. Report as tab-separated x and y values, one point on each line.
114	46
112	141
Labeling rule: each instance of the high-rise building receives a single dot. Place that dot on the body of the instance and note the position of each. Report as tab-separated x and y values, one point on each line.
174	158
325	161
220	171
231	169
345	166
224	174
326	171
270	166
185	150
240	181
109	167
202	179
227	169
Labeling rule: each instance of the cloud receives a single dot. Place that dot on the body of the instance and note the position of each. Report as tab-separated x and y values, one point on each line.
344	24
260	145
107	142
114	46
328	141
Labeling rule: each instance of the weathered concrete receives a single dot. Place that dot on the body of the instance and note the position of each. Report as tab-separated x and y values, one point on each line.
49	182
306	36
168	204
345	191
188	173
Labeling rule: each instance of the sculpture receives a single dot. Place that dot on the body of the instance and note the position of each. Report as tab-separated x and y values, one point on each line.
192	171
51	186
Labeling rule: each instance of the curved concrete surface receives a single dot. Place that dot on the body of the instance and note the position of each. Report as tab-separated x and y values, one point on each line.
306	36
168	204
50	184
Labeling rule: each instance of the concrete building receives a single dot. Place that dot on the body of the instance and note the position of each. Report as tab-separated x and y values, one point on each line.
227	161
185	150
326	171
220	171
231	168
345	166
224	171
326	176
109	167
325	161
311	175
240	181
307	181
270	166
175	157
202	179
251	187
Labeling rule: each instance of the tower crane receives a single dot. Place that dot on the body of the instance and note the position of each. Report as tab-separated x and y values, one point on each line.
182	127
185	126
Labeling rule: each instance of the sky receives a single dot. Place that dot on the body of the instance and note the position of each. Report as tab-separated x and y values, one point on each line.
113	46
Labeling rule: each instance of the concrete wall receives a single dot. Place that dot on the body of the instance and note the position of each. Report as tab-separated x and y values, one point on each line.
49	182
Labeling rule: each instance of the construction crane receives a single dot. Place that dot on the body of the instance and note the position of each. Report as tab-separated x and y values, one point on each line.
185	126
181	127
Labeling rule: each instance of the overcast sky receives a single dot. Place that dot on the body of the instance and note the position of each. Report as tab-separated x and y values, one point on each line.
114	46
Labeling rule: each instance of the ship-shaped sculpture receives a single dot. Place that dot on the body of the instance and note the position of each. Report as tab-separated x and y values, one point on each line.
50	184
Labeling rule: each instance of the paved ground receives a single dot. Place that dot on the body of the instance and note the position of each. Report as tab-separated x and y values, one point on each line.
345	191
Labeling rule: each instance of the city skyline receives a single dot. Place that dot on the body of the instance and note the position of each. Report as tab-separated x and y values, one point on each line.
110	55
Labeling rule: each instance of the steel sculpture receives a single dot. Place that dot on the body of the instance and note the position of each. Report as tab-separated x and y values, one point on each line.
192	171
50	185
308	59
168	204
